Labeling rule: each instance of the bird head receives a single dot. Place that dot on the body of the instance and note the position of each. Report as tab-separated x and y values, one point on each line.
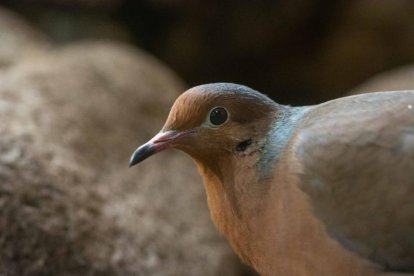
212	123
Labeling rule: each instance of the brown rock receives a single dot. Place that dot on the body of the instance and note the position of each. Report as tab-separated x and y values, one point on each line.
68	202
401	78
18	39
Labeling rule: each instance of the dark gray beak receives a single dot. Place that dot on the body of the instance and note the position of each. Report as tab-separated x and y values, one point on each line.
160	142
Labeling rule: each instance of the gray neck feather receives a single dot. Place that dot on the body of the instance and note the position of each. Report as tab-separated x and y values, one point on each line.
277	138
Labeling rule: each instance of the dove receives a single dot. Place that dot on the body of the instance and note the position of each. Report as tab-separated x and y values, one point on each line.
326	189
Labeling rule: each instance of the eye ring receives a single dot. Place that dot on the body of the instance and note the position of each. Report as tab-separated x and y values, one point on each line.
217	116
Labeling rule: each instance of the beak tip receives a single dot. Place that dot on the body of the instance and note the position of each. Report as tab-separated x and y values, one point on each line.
131	163
141	153
133	160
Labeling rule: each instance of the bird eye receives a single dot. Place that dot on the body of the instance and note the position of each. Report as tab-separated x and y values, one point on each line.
218	116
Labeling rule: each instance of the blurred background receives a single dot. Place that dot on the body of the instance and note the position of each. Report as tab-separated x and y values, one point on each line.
83	82
299	52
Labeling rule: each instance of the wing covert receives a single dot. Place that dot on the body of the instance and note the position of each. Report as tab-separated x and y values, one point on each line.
357	167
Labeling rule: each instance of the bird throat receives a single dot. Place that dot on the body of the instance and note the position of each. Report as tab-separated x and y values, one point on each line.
231	186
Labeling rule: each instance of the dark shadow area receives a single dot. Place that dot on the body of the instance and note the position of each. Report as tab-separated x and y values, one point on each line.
299	52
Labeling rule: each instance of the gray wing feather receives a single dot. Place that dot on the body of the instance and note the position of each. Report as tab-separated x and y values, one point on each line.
357	167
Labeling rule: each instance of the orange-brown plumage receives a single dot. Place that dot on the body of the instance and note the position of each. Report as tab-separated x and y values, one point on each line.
288	186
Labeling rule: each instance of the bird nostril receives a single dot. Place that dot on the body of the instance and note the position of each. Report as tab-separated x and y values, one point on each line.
242	146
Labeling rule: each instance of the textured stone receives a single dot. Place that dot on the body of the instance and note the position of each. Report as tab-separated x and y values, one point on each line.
18	39
69	203
401	78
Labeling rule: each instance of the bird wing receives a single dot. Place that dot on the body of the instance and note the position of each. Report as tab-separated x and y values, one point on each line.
356	157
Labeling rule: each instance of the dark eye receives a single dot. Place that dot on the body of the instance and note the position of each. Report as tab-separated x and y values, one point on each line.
218	116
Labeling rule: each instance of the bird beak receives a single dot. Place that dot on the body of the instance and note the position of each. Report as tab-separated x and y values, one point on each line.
160	142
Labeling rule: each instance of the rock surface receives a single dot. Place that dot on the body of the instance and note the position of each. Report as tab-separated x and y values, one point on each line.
401	78
18	39
69	205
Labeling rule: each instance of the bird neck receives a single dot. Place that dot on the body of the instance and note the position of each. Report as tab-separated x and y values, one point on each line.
229	200
274	143
236	186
